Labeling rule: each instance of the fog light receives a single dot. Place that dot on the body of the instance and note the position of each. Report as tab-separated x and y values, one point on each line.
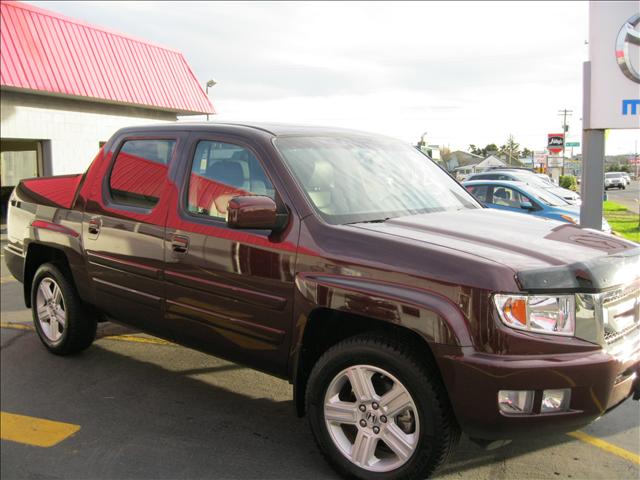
515	401
555	400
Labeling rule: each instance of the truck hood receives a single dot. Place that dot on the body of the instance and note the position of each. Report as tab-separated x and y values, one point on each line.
555	252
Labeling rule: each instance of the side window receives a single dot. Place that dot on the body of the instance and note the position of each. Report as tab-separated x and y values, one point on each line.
480	192
508	197
221	171
139	172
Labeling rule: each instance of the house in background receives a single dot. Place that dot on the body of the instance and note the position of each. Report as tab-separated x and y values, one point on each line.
460	158
490	162
67	86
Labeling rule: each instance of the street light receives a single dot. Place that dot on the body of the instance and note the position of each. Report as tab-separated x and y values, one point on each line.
209	84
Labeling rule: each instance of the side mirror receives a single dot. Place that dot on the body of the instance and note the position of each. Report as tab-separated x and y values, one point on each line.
255	212
527	206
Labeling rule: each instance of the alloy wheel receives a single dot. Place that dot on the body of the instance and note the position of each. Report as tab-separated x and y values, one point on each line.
371	418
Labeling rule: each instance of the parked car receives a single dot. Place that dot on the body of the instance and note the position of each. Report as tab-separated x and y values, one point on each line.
546	179
524	198
614	180
519	175
402	311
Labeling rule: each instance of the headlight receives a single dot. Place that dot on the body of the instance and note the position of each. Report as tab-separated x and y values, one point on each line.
555	315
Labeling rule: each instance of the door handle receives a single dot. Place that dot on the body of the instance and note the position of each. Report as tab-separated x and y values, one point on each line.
93	226
180	244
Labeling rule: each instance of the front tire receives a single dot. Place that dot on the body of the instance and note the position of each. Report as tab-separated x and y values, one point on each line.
378	410
59	316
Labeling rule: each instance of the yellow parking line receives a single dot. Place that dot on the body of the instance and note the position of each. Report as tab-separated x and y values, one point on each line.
7	279
38	432
606	446
132	338
16	326
120	338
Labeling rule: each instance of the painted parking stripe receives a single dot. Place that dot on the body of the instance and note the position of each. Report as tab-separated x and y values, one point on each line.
37	432
16	326
120	338
606	446
134	339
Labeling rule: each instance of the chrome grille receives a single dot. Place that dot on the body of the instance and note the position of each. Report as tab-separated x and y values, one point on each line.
611	337
621	313
620	293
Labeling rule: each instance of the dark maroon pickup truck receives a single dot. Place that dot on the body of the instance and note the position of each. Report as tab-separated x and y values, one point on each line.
401	310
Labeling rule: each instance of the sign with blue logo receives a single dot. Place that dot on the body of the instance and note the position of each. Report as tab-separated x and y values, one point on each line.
614	54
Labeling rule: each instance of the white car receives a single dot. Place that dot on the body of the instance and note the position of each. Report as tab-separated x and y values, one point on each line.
614	180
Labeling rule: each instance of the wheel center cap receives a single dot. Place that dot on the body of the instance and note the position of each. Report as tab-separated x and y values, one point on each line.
371	417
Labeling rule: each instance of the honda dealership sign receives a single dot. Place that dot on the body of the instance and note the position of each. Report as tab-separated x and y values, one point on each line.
614	53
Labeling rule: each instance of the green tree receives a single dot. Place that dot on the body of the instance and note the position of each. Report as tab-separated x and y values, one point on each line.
569	181
490	149
475	150
511	150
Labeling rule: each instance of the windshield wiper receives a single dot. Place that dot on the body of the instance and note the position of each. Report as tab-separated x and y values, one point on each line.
376	220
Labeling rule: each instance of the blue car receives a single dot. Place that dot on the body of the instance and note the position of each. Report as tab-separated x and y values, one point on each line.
525	198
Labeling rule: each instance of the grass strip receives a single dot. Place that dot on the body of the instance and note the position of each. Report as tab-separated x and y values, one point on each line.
623	222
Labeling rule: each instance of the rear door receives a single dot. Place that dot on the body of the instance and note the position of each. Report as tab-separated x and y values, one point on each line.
229	292
123	228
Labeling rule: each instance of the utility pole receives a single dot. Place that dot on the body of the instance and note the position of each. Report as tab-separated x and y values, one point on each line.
565	129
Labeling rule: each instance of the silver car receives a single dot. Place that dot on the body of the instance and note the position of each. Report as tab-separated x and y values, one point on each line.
614	180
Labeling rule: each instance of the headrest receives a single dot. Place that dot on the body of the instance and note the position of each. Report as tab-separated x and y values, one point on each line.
322	177
227	172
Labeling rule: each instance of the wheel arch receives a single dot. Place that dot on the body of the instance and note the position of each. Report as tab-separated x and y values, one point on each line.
38	254
331	308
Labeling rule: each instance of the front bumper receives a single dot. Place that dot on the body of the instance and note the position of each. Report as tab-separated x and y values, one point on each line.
598	382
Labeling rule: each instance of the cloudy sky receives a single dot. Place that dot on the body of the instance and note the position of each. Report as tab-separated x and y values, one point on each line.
462	72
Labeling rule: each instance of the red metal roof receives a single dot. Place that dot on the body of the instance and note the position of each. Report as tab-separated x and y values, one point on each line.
43	51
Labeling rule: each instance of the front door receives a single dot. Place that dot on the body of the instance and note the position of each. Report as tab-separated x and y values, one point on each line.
123	230
229	292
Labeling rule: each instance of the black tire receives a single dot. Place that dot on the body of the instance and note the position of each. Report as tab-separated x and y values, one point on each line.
79	330
439	431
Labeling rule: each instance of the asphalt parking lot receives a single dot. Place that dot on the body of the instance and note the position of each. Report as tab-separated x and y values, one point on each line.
136	407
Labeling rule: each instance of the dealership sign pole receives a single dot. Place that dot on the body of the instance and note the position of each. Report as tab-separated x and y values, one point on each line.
611	86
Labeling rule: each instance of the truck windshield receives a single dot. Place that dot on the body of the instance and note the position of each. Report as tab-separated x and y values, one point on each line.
352	179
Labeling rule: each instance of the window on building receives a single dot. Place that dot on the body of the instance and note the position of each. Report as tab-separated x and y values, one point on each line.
139	172
221	171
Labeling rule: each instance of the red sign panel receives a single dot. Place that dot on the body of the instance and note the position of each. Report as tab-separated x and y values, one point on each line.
555	142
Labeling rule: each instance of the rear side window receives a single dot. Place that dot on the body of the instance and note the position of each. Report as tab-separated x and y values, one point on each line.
480	192
139	172
221	171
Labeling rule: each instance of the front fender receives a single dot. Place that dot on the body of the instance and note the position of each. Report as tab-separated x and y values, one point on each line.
433	316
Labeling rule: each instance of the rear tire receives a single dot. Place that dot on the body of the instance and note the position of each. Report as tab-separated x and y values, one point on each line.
404	428
59	316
